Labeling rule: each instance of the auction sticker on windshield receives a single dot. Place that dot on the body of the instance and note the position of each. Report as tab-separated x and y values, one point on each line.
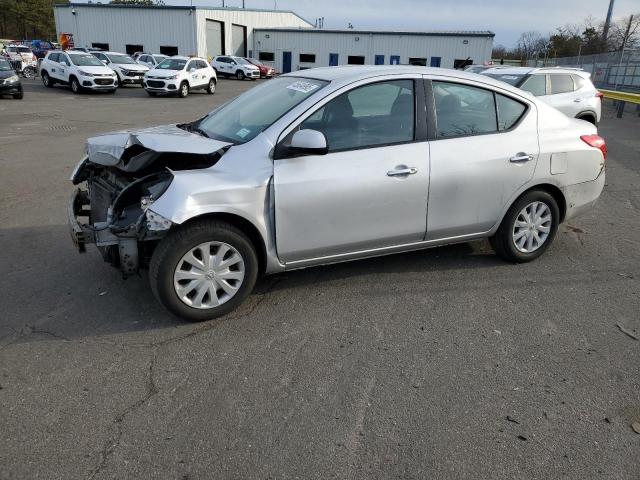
304	87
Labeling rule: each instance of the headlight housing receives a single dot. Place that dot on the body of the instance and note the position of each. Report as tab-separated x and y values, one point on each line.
11	79
85	74
172	77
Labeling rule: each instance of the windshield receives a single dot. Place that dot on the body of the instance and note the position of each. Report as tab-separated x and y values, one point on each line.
122	59
4	65
19	49
85	61
242	61
509	78
172	64
245	117
159	58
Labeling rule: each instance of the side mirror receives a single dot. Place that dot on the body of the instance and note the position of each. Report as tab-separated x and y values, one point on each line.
191	70
310	142
104	61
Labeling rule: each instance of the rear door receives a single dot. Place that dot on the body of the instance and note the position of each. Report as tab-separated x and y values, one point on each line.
560	93
484	149
370	189
193	72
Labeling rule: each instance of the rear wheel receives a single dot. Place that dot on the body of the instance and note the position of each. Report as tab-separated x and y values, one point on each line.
211	88
240	75
184	90
29	72
528	228
75	85
203	270
47	81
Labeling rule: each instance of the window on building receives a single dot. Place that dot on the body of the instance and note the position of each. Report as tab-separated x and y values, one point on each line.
435	61
420	62
463	110
355	60
536	84
509	111
102	46
131	49
560	83
167	50
352	120
266	56
458	63
307	58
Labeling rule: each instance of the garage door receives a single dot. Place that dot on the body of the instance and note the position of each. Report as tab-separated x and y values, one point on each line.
239	40
215	38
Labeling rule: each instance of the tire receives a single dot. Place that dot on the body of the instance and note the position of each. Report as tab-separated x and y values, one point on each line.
151	94
75	85
184	90
112	91
29	72
19	96
504	241
47	81
240	75
211	88
167	263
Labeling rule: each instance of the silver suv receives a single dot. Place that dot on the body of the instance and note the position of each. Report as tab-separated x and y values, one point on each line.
570	90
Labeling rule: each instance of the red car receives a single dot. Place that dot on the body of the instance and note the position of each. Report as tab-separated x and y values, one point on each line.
265	70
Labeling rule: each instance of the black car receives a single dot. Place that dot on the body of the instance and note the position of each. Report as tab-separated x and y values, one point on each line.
9	80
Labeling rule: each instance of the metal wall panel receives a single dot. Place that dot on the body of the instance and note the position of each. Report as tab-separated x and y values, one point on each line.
238	40
322	44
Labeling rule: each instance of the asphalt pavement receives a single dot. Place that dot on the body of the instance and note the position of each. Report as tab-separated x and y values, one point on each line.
445	363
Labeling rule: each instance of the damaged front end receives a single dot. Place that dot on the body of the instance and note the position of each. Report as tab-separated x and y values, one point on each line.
123	174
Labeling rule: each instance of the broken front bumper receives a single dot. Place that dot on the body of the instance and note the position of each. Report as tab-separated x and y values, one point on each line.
80	235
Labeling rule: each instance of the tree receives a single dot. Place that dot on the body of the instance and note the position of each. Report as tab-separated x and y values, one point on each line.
625	32
22	19
566	41
530	45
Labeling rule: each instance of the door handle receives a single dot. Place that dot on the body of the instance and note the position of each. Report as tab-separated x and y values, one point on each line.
402	171
577	100
521	157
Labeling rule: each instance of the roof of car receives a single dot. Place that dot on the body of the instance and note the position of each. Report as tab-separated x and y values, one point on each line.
530	70
352	73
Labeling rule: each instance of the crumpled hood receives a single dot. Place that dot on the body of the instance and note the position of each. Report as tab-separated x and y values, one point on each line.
136	149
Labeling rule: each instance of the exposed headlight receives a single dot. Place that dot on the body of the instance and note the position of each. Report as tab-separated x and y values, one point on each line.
172	77
11	79
85	74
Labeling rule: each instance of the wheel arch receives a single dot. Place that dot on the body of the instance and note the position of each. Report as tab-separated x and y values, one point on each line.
245	226
552	190
587	115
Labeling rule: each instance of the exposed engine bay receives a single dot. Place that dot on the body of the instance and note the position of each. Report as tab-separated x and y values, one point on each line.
123	174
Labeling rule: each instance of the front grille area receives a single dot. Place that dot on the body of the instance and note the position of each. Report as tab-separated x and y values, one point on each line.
155	84
104	81
134	74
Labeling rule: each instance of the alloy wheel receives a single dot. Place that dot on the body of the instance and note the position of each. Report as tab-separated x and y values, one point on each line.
209	275
532	226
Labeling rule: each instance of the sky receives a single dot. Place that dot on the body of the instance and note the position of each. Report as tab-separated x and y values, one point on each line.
506	18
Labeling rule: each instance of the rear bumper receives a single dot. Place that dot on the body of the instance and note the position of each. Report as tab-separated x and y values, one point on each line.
581	197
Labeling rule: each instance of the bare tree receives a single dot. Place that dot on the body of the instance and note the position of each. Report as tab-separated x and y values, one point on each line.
530	45
625	32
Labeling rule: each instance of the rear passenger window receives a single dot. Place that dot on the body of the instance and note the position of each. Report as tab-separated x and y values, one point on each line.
463	110
578	81
509	111
536	84
561	83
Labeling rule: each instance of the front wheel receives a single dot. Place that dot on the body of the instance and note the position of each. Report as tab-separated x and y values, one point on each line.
204	270
211	88
29	72
528	228
75	85
18	96
47	81
240	75
184	90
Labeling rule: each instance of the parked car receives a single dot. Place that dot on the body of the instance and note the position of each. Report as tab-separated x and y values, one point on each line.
9	81
86	49
23	61
266	71
150	60
328	165
180	75
39	47
128	71
238	67
79	70
570	90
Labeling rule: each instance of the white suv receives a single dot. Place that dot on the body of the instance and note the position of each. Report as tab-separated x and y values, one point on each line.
235	67
77	69
179	75
570	90
150	59
128	71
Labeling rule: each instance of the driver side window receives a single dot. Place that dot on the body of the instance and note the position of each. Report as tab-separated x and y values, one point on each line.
377	114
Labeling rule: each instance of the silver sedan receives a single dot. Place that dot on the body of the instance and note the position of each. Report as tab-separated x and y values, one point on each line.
328	165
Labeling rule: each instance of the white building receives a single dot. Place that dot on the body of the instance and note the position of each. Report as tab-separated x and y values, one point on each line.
280	38
293	49
171	30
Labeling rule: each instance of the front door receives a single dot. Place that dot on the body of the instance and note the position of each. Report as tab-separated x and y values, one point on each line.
379	60
394	60
333	59
479	159
286	62
369	191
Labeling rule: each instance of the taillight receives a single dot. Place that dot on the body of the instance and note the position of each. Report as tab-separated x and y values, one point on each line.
599	95
595	141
